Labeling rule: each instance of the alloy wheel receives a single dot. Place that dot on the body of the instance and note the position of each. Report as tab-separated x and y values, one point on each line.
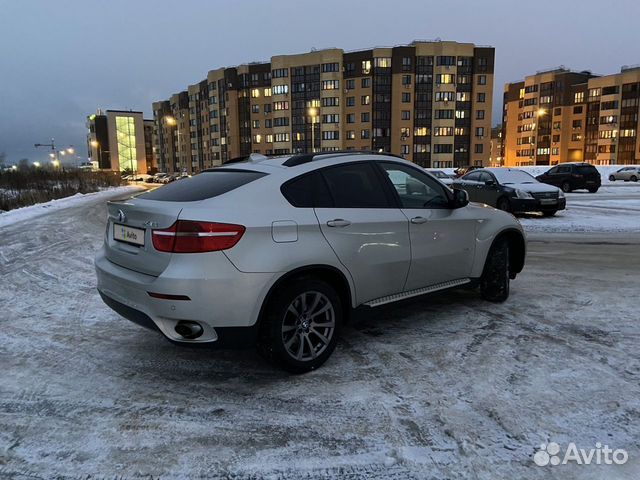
308	326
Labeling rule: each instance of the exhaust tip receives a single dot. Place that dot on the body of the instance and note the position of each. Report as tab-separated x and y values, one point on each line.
188	329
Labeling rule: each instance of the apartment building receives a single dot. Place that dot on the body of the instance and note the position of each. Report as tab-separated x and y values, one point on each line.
121	140
563	116
428	101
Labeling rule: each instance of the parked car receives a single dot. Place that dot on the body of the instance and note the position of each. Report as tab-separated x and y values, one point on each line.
572	176
277	252
442	176
158	177
167	179
628	174
511	190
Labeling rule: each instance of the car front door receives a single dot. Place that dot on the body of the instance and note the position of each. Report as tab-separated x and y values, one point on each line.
489	190
366	230
442	238
548	177
471	184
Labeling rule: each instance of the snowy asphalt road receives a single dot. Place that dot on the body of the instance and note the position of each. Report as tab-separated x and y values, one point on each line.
449	386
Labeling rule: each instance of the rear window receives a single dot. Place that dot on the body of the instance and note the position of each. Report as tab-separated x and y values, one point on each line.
586	169
205	185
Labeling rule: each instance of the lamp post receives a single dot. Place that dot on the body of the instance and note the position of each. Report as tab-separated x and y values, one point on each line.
172	122
313	112
95	144
539	113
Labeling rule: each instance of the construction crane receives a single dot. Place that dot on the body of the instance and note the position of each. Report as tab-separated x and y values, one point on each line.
55	154
52	145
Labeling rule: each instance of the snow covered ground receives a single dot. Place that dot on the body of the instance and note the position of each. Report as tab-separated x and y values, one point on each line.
32	211
613	208
443	387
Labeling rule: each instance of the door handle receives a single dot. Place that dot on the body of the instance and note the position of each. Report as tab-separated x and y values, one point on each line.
338	222
418	220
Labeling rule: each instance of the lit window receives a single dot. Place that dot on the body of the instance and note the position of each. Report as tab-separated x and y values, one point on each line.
255	93
366	67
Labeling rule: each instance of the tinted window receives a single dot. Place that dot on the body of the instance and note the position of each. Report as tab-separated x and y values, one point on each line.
355	186
472	177
564	169
203	186
586	169
415	189
307	191
552	171
485	177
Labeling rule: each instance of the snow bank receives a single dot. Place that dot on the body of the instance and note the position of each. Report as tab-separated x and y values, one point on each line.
32	211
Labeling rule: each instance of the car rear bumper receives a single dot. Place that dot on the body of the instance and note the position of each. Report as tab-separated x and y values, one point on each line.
523	205
219	296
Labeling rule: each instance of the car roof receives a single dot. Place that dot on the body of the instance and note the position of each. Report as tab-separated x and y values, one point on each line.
271	164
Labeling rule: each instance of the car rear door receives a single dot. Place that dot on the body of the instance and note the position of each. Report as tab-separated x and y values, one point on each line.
366	230
442	238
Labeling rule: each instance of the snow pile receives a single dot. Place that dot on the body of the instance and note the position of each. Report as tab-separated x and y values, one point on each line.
32	211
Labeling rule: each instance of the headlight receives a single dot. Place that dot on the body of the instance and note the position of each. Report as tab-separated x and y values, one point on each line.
523	194
560	194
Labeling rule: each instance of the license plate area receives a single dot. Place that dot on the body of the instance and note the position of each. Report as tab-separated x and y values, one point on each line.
548	201
126	234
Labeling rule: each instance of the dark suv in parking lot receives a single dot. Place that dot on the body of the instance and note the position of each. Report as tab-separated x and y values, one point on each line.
572	176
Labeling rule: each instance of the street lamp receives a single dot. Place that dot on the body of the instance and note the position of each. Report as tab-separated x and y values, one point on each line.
313	112
172	122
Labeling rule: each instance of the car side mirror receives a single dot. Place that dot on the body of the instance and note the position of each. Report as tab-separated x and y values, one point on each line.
460	198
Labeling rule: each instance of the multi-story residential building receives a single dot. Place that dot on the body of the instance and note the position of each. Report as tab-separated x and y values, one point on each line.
428	101
121	140
563	116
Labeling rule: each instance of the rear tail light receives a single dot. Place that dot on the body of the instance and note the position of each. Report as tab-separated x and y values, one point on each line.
187	236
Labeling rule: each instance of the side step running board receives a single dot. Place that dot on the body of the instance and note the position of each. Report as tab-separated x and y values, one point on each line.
419	291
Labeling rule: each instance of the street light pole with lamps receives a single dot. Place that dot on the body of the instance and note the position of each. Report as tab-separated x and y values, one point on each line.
539	113
172	122
313	112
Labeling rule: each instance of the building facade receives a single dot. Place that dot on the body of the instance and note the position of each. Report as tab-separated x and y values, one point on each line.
428	101
563	116
121	140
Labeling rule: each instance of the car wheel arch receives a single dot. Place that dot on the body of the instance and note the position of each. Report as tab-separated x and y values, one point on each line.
330	274
517	249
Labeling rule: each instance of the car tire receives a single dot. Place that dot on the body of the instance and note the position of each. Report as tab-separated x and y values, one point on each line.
593	190
566	187
549	213
634	178
612	178
494	283
504	204
301	325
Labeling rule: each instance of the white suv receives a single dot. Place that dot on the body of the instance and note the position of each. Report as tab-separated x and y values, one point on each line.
277	251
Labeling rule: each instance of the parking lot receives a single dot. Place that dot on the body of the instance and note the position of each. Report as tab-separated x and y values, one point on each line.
443	387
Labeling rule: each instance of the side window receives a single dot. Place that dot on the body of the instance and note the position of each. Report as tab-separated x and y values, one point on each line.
355	185
472	177
307	191
553	171
415	189
564	169
485	177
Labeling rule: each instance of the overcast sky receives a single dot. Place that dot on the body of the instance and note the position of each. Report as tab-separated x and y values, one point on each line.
60	60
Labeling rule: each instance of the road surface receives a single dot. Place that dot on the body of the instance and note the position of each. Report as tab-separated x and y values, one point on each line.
449	386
